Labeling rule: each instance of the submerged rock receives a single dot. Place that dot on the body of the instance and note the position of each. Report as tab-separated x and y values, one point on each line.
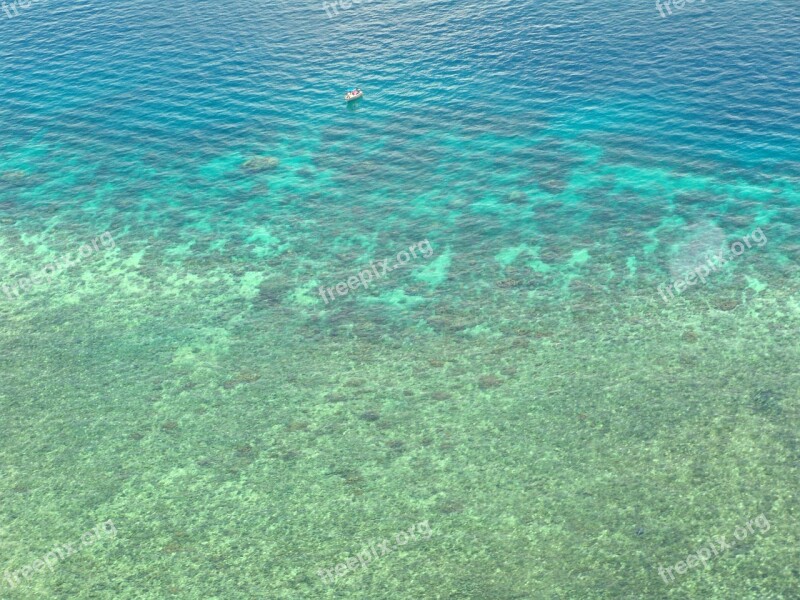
369	415
689	336
767	402
13	176
726	304
489	381
517	197
305	173
509	283
256	164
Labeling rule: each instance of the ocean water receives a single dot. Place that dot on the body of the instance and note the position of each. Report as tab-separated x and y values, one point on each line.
584	371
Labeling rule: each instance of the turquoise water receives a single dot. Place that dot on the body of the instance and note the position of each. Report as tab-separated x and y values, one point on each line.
556	396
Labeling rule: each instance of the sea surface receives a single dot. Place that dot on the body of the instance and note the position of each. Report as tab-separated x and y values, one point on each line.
520	324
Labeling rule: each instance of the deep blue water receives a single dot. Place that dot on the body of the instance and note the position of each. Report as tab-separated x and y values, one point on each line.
713	84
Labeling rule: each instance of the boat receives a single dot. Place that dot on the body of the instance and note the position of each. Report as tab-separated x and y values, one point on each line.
353	95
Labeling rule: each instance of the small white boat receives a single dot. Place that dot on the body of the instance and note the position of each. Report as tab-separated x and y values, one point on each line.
353	95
